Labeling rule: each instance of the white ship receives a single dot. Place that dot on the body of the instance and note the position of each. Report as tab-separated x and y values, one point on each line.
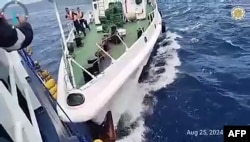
93	74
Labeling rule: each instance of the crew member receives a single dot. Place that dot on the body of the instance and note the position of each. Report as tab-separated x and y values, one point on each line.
71	15
81	18
68	14
14	38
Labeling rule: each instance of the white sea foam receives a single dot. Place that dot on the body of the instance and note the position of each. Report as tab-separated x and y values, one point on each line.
154	82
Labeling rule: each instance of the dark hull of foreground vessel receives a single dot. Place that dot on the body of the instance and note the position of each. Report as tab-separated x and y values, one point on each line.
53	129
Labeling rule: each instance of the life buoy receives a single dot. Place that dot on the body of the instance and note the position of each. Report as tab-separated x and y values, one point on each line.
98	140
52	87
50	84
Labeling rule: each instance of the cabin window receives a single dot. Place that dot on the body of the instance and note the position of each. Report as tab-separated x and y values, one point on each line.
4	136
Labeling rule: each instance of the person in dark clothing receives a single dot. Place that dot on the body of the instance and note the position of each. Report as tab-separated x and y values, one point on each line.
71	15
77	23
15	37
12	38
81	18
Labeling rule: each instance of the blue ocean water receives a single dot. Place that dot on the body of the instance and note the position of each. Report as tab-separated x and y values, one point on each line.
211	88
199	75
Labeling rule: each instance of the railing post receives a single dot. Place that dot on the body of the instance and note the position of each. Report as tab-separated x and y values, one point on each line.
105	52
83	68
122	41
140	25
71	72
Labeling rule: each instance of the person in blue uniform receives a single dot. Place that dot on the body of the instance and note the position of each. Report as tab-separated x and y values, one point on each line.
15	37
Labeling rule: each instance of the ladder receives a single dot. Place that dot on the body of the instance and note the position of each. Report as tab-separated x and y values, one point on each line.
101	8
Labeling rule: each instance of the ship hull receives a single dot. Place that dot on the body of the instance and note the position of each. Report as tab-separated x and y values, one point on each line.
107	91
120	103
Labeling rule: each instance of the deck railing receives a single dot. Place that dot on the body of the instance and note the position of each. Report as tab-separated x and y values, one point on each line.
105	57
15	115
71	61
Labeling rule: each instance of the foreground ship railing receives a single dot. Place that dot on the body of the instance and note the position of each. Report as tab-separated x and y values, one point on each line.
71	130
27	109
25	128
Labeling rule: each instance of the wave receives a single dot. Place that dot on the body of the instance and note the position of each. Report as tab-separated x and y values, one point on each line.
194	40
187	10
227	46
193	27
135	126
168	55
231	43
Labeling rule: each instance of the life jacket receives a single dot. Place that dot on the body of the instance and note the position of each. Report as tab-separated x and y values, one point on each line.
74	16
80	15
69	15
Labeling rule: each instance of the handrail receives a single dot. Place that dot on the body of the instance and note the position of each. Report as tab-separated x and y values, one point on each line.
13	114
13	74
71	72
122	41
106	53
154	11
60	26
72	60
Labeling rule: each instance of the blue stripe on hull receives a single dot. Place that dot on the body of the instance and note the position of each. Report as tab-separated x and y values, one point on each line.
48	130
46	127
82	130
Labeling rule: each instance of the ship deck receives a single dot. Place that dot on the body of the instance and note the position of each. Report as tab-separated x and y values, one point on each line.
89	48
